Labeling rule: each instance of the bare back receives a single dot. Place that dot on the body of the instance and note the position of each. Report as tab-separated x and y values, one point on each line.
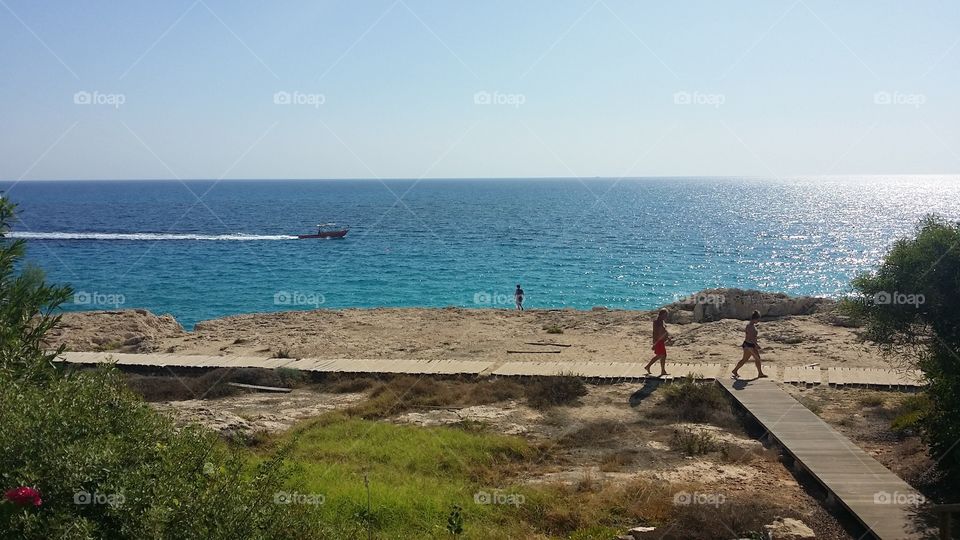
751	333
659	330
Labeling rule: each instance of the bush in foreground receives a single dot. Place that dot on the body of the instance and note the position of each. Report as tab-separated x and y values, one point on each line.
108	466
911	306
96	462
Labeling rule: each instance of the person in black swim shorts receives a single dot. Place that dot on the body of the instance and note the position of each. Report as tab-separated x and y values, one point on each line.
750	347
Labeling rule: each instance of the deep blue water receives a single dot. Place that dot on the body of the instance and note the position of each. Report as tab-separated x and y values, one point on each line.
204	249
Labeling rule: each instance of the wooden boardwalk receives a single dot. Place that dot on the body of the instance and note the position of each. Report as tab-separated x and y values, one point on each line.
805	376
885	505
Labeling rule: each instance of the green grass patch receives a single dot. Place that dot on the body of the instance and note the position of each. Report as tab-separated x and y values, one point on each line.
415	475
418	475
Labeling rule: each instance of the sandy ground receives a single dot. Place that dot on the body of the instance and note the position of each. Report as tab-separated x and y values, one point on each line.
474	334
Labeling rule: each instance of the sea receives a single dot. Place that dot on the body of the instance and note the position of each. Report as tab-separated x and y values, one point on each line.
203	249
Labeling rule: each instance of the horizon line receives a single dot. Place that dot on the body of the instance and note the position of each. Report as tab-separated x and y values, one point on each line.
433	178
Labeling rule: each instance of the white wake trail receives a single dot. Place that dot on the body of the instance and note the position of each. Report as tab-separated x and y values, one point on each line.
150	237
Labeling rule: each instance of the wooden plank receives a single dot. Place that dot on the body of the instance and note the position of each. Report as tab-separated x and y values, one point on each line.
842	376
886	505
809	376
261	388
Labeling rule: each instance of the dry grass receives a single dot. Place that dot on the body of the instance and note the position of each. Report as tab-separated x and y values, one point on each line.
738	516
871	400
617	460
594	434
406	393
210	385
560	510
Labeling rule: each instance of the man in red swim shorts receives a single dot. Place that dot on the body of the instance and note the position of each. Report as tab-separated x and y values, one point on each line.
660	337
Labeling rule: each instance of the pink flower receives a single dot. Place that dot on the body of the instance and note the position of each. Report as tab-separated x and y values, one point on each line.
24	496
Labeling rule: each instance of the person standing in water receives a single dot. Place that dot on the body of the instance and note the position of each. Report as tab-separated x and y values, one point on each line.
660	337
518	296
750	347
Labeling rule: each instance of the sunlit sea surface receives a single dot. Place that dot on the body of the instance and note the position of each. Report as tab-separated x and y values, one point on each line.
204	249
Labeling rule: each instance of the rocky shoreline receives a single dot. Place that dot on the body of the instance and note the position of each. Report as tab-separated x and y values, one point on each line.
707	327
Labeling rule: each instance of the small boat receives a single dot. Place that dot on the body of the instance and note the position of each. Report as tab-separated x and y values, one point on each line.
326	230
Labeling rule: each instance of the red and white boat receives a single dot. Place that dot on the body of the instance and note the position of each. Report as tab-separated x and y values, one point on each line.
325	230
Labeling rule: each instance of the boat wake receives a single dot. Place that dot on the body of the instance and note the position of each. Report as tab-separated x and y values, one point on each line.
149	237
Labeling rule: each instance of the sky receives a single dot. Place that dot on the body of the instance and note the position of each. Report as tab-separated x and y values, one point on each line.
185	89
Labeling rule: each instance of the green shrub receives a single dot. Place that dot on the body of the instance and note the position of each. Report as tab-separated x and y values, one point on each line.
691	400
553	329
84	436
911	305
910	415
551	391
694	443
27	309
290	377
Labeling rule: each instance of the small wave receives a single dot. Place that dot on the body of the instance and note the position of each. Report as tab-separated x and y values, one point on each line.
149	237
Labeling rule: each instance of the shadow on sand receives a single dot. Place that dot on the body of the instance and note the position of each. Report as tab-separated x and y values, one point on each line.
649	385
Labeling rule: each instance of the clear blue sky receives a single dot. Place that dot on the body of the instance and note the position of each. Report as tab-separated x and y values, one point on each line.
578	88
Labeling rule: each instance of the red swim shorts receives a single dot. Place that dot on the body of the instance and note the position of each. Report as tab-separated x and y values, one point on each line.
660	348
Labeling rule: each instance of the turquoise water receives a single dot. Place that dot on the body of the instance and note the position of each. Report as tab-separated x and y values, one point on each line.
203	249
